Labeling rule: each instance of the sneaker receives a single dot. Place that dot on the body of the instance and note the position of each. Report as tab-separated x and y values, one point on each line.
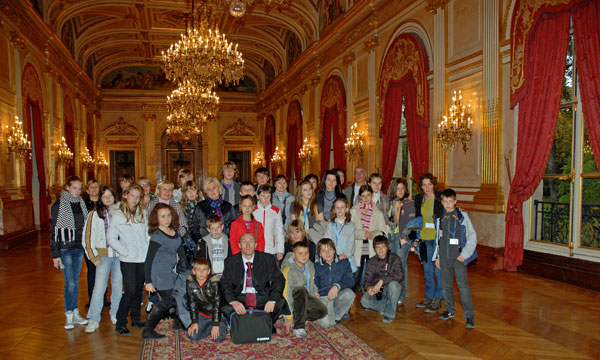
470	324
149	306
436	306
387	320
425	303
69	320
77	319
446	315
138	324
300	333
123	331
113	319
91	326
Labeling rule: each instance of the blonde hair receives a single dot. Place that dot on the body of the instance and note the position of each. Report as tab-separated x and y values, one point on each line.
209	180
138	212
164	183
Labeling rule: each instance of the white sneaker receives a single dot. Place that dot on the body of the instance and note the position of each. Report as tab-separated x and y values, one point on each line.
113	319
69	320
300	333
77	319
92	326
149	306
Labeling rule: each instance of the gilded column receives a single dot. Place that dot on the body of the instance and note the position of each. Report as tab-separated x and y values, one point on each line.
18	46
372	132
439	93
150	136
348	62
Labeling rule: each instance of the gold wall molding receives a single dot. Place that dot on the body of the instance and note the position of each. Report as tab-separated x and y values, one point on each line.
371	43
349	58
434	5
17	40
361	30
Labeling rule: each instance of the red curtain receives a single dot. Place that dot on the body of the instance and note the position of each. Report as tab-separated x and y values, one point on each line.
538	109
417	129
38	147
269	140
70	139
330	116
586	23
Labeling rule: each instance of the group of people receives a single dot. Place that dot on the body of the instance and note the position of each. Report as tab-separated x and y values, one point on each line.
207	253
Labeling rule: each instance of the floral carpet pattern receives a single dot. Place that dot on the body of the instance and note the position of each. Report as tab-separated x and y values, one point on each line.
336	342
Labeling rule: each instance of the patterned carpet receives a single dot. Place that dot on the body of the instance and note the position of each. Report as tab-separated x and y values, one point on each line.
334	343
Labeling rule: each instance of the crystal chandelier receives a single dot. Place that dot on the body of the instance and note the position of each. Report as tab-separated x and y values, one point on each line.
237	8
18	141
305	153
190	108
277	158
259	159
87	162
101	162
63	153
203	55
354	146
456	128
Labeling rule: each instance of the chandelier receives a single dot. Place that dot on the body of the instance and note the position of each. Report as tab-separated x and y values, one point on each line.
354	146
456	128
86	159
101	162
203	55
259	159
237	8
190	108
63	153
305	153
18	142
277	158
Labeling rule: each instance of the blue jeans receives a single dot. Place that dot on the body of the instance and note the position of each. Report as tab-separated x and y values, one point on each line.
388	302
404	251
72	260
110	266
205	327
394	243
433	277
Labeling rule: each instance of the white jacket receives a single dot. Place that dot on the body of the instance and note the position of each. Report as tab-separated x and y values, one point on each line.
129	239
94	238
270	218
377	225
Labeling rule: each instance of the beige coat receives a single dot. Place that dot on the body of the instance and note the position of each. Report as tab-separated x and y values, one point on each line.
377	225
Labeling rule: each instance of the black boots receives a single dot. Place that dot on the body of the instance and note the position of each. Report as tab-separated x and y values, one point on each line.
158	312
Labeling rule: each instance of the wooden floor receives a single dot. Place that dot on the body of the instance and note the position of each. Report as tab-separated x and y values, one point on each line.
517	317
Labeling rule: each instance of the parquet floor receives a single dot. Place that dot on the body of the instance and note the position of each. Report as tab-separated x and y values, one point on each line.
517	317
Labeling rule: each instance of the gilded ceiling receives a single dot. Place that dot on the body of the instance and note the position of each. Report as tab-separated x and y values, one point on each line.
105	35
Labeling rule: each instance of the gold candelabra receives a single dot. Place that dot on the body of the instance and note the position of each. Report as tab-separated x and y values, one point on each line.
457	127
259	159
354	146
305	153
87	162
277	158
101	162
18	141
63	153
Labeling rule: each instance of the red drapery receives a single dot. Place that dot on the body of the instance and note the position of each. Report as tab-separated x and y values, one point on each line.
269	140
294	136
586	23
391	130
538	109
34	116
333	116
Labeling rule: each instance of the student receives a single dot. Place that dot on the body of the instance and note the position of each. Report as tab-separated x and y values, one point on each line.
383	277
214	246
183	176
128	236
456	242
379	198
68	218
270	218
301	293
229	187
342	176
261	176
164	195
104	258
191	195
148	195
297	233
334	279
91	201
313	180
246	223
283	200
125	181
165	253
329	192
305	206
341	230
368	222
246	188
204	296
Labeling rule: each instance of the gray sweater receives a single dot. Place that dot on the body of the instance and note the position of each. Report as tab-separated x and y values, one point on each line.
346	234
163	253
287	210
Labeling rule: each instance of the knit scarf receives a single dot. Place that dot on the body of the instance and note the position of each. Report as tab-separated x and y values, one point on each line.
366	210
216	204
106	215
65	222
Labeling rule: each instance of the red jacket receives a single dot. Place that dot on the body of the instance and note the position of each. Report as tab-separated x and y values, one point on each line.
238	228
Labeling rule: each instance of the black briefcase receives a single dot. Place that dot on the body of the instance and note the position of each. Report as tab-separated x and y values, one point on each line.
253	327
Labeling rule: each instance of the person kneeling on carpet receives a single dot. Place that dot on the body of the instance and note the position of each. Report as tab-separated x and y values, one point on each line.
204	297
383	279
301	292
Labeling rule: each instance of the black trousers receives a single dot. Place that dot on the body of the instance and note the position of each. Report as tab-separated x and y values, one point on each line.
133	279
306	307
360	273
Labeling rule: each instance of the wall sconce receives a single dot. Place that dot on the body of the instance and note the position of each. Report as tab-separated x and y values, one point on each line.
259	159
456	128
101	162
354	146
63	153
18	141
305	153
87	162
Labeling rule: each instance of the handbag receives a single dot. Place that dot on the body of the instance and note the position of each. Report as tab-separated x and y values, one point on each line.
253	327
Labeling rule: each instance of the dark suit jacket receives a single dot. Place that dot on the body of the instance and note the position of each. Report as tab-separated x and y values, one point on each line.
266	278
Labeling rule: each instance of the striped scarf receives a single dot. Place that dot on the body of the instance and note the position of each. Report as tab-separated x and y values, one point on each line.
106	215
366	210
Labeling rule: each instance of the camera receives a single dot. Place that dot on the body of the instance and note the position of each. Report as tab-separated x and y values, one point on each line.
379	295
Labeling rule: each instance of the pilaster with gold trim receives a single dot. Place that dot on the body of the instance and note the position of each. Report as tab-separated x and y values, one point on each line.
439	94
370	45
149	130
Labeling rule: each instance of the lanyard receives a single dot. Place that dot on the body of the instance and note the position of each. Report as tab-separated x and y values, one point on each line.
427	209
453	233
306	213
306	275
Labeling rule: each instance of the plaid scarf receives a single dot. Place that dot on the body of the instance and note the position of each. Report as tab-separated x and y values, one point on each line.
216	204
65	222
366	210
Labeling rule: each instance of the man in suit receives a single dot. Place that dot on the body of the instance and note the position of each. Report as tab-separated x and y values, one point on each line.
252	280
360	179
